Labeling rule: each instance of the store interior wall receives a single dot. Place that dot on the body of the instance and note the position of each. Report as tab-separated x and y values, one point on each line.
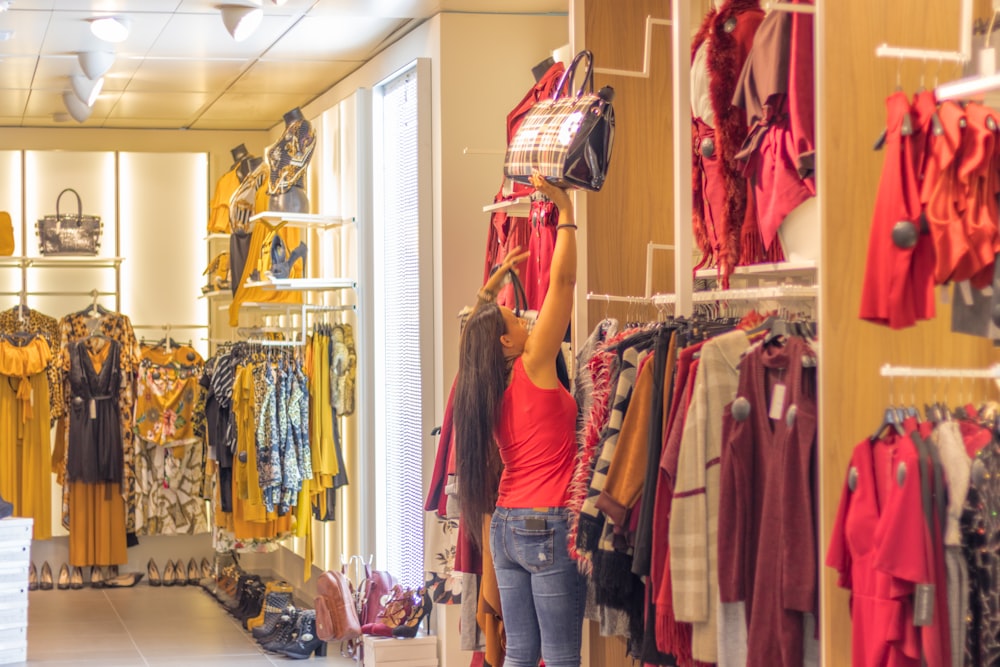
852	86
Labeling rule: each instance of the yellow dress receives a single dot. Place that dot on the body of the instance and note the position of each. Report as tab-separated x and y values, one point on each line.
25	439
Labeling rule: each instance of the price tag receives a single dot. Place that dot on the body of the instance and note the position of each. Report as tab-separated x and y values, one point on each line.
923	605
93	409
966	290
777	402
944	296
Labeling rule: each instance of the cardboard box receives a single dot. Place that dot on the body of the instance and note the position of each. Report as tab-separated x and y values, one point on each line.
391	652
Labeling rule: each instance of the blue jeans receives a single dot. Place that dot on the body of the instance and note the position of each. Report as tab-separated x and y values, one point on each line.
541	591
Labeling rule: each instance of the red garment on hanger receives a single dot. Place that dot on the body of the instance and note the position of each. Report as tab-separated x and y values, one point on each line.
887	294
979	176
924	113
942	196
802	94
541	244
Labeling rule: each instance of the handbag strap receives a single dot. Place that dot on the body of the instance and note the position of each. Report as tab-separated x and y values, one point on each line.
79	208
567	78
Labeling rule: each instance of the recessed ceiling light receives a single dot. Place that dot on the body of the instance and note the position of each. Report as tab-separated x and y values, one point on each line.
110	28
4	5
6	35
240	20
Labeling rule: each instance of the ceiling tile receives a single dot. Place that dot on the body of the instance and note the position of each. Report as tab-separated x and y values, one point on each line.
29	30
212	6
232	124
17	72
304	77
12	102
154	105
109	6
190	76
46	103
195	35
261	106
69	32
53	72
148	123
334	38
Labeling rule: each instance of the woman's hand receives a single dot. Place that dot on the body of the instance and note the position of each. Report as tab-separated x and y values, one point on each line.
557	196
514	256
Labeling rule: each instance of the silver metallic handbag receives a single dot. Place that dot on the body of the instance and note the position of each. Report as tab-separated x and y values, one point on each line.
69	233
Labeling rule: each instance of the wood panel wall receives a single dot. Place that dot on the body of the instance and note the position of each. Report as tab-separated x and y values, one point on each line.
852	87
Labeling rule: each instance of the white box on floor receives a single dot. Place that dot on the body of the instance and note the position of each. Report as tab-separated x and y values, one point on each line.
392	652
13	652
14	635
15	529
14	612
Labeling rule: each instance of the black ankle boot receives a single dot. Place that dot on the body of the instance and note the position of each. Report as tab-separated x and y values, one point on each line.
285	636
306	642
255	602
286	619
274	609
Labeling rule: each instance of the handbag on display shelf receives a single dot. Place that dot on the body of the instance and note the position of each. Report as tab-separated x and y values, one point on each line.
568	138
336	615
6	235
69	233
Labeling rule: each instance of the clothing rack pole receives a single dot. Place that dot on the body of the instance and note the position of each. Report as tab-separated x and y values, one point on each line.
166	327
680	29
89	293
963	55
276	343
618	299
890	371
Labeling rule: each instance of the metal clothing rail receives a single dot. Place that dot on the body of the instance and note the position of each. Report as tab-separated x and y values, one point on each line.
890	371
963	55
608	298
169	327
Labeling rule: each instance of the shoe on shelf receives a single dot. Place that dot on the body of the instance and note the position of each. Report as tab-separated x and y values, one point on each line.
62	583
275	602
126	580
45	579
180	575
153	573
169	574
193	573
96	576
206	568
76	578
6	508
409	627
32	577
284	631
306	643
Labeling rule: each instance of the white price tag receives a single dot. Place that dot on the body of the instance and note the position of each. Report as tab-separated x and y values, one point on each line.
966	289
93	409
944	295
777	402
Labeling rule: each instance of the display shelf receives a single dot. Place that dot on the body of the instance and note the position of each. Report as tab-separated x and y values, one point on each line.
515	208
763	271
302	220
87	262
216	293
217	236
304	284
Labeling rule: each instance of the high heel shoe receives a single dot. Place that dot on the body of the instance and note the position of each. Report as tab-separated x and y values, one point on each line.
76	578
206	569
153	573
170	574
32	578
45	580
193	573
283	261
96	576
409	628
306	643
62	583
126	580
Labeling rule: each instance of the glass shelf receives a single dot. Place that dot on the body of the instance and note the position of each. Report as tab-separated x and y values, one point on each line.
302	220
63	262
304	284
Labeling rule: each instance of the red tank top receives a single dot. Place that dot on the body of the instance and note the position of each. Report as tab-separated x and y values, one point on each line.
537	439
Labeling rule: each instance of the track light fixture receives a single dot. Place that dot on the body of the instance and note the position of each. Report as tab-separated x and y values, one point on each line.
95	64
279	3
77	109
86	89
241	20
110	28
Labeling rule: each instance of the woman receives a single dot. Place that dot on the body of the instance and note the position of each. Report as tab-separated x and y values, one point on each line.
515	434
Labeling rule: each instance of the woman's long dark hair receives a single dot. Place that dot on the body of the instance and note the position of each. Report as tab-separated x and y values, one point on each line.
479	389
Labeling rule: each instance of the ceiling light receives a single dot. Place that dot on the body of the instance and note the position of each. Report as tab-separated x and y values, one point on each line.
110	28
240	20
4	5
6	35
77	109
95	64
279	2
86	89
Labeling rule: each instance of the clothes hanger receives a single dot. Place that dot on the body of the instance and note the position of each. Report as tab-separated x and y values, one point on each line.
890	420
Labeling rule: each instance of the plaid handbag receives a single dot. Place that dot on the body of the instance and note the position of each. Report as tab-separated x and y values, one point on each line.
567	138
69	233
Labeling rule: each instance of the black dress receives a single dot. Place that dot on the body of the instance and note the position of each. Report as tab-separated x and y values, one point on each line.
95	436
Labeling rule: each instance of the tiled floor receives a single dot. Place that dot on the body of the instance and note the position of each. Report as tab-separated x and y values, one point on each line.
142	626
